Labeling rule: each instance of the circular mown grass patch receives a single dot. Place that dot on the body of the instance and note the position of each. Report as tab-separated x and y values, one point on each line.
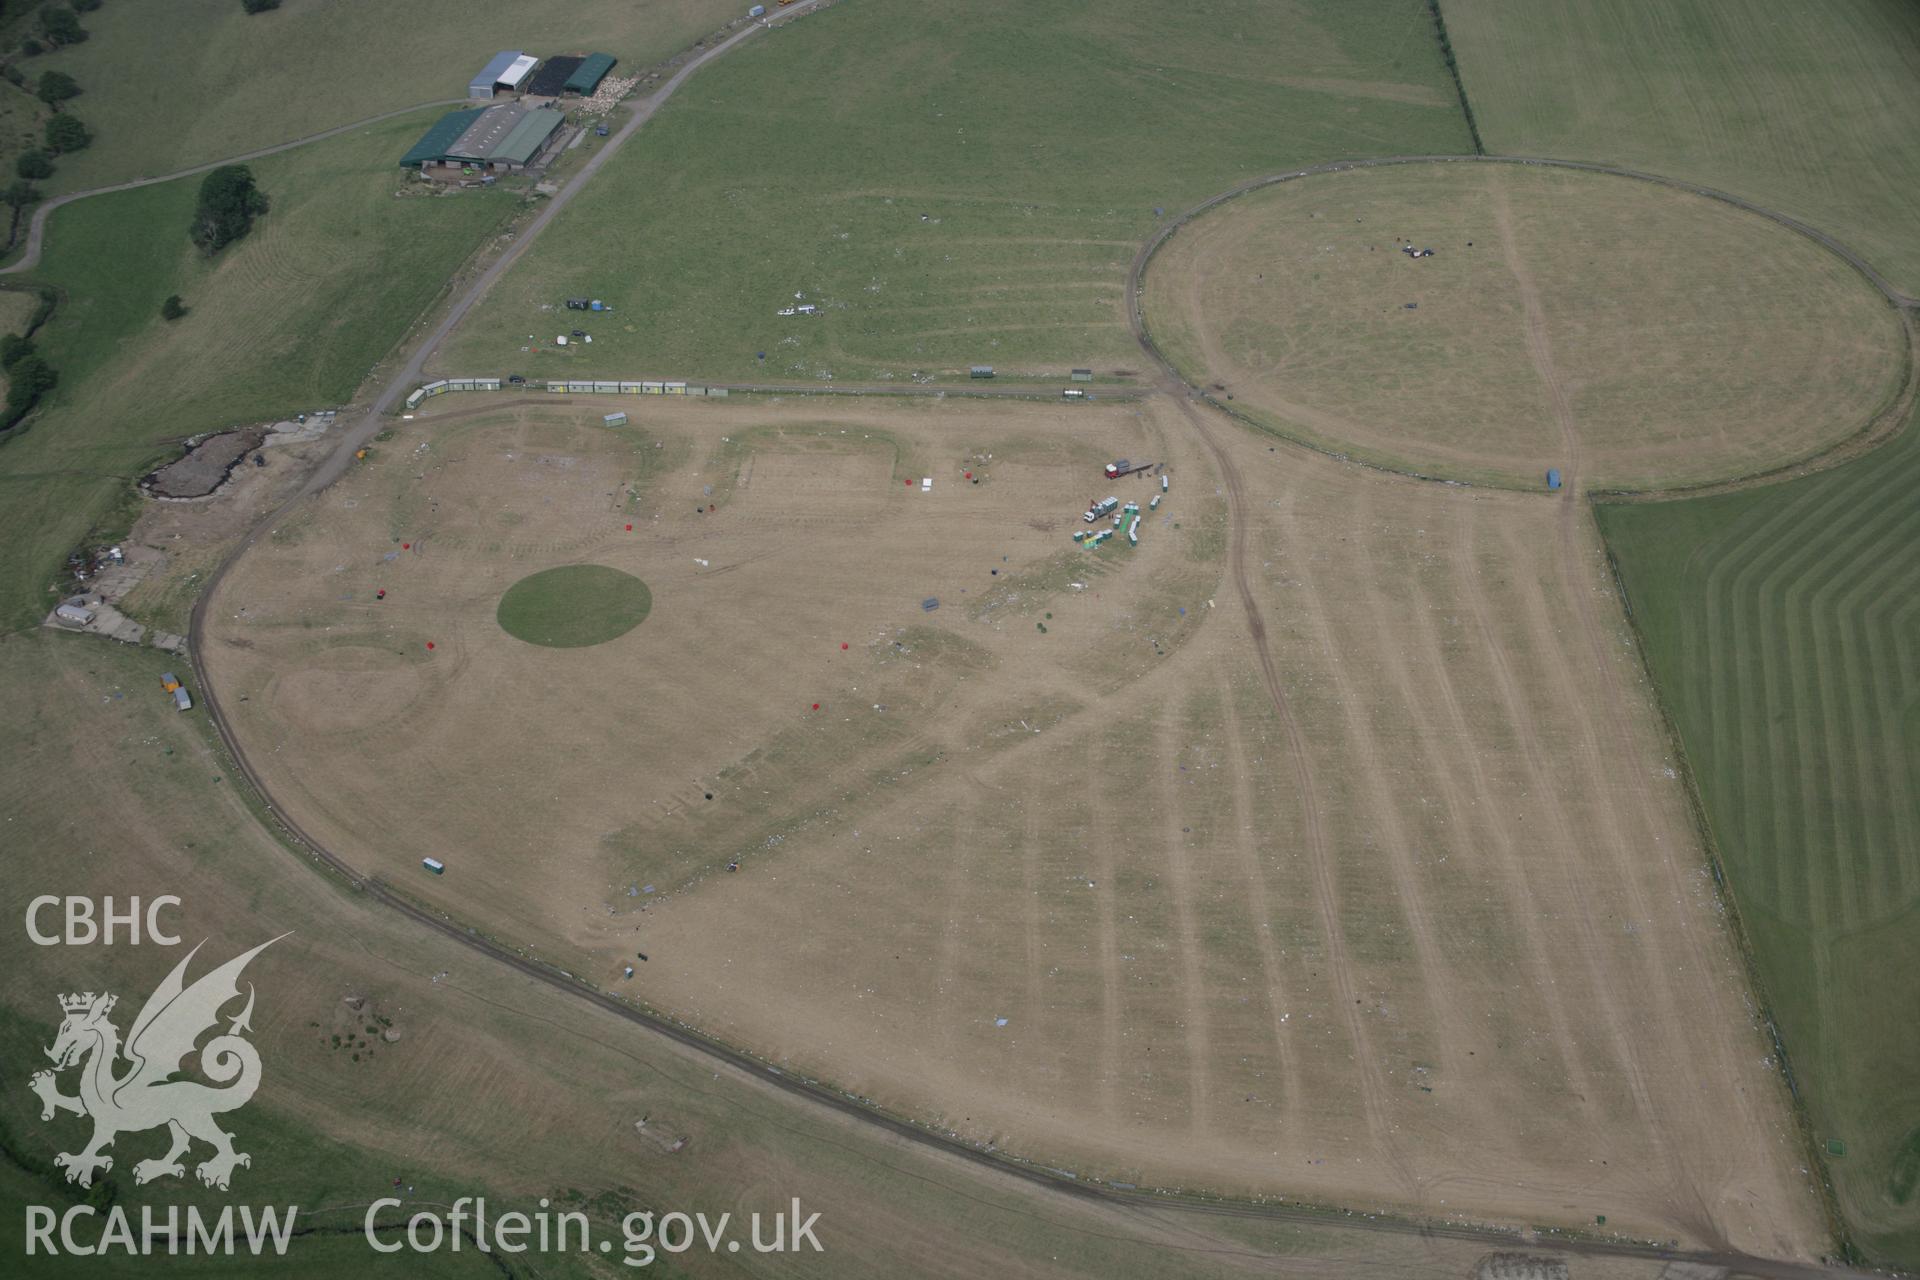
574	606
1643	336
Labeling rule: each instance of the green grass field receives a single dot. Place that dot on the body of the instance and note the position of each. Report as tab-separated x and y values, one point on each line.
154	70
574	606
291	318
955	185
1808	108
1783	627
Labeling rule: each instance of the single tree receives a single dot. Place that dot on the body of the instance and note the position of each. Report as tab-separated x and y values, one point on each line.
55	87
229	202
33	164
14	349
259	6
30	378
61	26
83	6
172	308
31	48
64	134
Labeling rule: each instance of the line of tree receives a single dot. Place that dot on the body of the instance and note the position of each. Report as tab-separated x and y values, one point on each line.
229	202
64	135
61	26
58	27
18	196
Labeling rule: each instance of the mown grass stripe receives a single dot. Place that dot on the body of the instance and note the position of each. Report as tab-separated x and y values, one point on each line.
1731	582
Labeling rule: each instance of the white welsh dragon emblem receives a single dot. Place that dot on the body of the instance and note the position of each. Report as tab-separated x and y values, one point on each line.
145	1095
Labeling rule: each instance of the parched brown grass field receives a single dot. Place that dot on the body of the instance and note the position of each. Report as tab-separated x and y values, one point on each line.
1634	335
1046	867
492	1088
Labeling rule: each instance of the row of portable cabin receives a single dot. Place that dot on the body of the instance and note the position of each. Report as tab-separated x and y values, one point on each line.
445	385
986	371
581	387
575	386
595	387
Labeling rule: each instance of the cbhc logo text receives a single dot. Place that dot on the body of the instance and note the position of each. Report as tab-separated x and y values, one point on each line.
85	925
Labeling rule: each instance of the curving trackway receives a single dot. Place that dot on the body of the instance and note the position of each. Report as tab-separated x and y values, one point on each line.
1169	381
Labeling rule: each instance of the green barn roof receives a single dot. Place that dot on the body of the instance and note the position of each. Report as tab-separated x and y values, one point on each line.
587	76
527	137
444	133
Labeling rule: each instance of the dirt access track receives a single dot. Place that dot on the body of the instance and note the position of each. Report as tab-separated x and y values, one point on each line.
1050	869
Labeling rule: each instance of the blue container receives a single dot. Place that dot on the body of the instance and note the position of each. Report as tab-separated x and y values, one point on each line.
596	305
1553	477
